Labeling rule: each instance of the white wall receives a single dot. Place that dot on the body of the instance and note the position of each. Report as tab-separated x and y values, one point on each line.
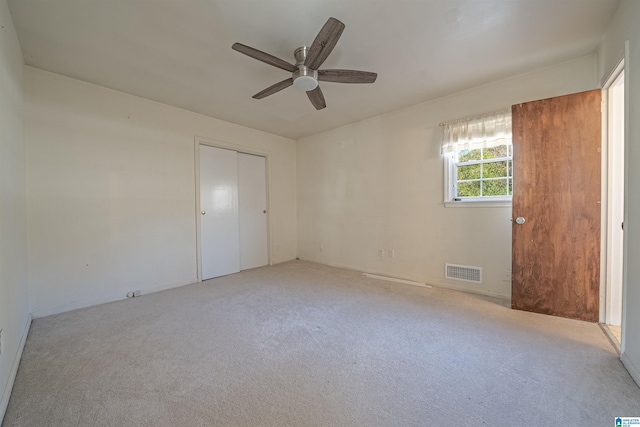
111	191
14	294
379	184
624	27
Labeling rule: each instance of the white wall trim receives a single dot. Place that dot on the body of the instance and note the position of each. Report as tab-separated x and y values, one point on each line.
631	368
113	296
609	79
396	280
625	214
502	203
605	117
198	141
606	245
14	370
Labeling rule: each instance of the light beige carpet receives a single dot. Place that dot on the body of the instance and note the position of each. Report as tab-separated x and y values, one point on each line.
299	344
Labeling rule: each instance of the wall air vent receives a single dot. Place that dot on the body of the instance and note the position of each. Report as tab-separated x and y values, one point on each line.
465	273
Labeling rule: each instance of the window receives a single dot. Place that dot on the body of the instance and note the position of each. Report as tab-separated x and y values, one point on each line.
479	161
484	172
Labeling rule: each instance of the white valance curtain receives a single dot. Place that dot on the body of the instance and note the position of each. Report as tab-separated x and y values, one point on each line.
486	131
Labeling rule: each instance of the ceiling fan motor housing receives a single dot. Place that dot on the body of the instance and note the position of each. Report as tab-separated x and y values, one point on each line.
304	78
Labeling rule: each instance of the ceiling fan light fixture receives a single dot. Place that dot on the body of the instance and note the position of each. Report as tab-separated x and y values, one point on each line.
305	79
305	83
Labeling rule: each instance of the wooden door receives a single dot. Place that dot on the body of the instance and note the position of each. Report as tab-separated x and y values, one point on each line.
556	170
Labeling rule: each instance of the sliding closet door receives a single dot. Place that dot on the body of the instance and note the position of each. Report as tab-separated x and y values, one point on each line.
219	222
252	211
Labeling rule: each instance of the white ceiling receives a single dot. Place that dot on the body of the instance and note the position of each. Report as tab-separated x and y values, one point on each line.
179	51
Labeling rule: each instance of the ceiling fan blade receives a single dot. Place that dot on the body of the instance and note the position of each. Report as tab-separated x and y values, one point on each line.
317	98
346	76
274	88
324	43
264	57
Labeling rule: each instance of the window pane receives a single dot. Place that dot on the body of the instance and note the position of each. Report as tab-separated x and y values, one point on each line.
469	172
495	170
466	155
495	187
479	172
496	152
469	189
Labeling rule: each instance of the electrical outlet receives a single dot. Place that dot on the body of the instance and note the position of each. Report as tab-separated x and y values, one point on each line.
391	253
506	276
381	253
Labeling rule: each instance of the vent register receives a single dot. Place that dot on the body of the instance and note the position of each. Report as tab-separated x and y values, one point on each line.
464	273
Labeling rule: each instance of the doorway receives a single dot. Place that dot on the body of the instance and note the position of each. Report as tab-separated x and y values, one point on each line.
615	149
232	226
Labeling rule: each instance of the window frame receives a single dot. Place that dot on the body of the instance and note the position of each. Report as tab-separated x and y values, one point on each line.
450	185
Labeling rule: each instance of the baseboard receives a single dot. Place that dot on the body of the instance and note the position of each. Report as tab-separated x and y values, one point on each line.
14	370
89	302
281	261
631	368
396	280
612	339
506	299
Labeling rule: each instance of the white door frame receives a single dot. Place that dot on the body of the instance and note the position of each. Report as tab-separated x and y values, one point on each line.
605	256
198	141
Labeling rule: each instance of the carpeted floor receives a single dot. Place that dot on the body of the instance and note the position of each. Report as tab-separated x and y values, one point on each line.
300	344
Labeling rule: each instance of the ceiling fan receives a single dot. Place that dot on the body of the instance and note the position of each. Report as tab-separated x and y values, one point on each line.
306	72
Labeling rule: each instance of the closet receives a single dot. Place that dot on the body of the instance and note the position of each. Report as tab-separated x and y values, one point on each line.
232	211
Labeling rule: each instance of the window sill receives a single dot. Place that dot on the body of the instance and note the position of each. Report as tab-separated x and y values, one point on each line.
498	203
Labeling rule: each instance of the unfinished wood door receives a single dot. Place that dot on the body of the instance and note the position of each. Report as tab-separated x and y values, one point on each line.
556	206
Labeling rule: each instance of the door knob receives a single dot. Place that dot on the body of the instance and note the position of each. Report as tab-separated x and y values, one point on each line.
520	220
264	211
202	212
